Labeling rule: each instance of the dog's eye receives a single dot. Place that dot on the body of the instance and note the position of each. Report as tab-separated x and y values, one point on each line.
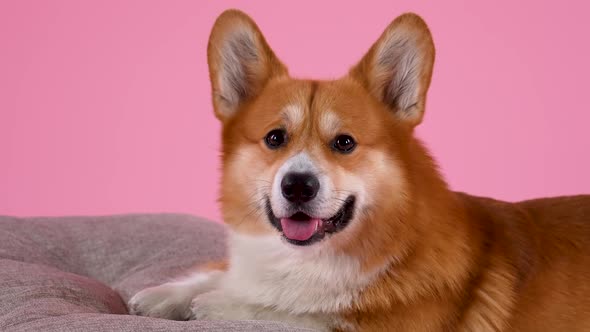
344	144
275	138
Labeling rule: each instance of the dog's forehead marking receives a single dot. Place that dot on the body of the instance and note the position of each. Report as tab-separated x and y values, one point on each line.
329	123
293	115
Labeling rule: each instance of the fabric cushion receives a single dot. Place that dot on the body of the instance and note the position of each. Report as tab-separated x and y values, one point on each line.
77	273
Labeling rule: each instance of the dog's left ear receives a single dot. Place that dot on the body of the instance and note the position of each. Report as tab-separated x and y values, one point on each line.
240	62
398	67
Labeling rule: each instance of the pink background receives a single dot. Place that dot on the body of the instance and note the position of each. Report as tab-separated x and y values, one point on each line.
105	107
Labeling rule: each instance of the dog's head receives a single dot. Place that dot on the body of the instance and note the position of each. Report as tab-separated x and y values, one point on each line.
318	162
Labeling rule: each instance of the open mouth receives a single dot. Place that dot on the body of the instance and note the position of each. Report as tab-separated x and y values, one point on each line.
302	229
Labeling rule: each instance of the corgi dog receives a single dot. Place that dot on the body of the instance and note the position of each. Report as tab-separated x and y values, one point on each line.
338	219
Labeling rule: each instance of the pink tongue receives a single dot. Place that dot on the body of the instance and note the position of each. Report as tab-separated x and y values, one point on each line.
299	230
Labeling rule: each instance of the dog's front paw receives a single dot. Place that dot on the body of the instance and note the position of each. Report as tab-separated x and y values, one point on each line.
216	305
164	301
205	307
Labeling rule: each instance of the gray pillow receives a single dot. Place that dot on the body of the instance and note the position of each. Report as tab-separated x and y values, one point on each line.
77	273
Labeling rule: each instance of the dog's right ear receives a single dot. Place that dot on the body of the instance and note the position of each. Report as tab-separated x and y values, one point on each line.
240	62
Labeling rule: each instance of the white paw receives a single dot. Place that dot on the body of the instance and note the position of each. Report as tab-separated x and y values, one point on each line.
206	307
217	305
164	301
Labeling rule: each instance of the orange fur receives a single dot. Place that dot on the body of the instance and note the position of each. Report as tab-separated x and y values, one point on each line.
448	261
215	265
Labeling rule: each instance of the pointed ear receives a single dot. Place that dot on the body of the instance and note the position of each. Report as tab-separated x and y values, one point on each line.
240	62
398	67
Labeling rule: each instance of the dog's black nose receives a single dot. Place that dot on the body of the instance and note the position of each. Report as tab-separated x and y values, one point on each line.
300	187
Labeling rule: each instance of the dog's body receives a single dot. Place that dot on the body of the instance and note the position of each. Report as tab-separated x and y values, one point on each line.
339	220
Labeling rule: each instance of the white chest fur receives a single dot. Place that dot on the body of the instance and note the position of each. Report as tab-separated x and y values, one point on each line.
266	271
